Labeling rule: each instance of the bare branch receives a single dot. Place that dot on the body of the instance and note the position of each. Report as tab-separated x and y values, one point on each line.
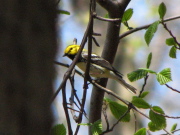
135	122
172	117
145	81
175	130
172	88
144	27
66	110
111	129
95	41
170	33
110	92
67	74
104	108
106	19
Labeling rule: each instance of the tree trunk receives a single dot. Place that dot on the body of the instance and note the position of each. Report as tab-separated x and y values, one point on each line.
27	50
115	10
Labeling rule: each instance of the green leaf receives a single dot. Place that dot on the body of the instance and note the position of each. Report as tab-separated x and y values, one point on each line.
136	75
150	32
170	41
152	127
85	124
159	121
141	131
172	52
148	70
118	110
58	129
106	15
173	127
59	11
149	60
144	94
127	15
140	103
162	10
164	76
97	127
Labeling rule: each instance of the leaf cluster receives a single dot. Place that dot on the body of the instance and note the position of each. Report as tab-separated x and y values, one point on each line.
162	77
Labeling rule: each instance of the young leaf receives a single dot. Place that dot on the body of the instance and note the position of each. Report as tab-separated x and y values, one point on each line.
148	70
170	41
150	32
118	110
140	103
106	15
58	129
97	127
162	10
127	15
144	94
85	124
59	11
164	76
141	131
173	127
136	75
152	127
149	60
158	120
172	52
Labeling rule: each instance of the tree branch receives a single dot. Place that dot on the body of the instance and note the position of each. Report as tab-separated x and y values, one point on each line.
171	34
144	27
106	19
71	67
110	92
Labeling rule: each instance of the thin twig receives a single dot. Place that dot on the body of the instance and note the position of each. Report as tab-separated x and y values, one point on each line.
96	34
113	94
111	129
106	19
71	100
89	35
95	41
145	82
110	92
67	66
164	115
68	72
175	130
172	88
129	108
66	110
85	87
104	108
170	33
135	122
73	109
149	119
144	27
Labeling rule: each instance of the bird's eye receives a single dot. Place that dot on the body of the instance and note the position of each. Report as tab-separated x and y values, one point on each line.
70	50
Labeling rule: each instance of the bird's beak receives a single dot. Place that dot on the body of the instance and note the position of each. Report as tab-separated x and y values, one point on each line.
64	55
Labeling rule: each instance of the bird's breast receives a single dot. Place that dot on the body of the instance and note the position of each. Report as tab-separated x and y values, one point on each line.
95	70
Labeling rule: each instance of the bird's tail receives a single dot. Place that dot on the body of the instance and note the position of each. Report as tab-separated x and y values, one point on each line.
127	86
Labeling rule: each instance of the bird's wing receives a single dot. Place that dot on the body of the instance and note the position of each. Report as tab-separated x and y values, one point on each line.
95	59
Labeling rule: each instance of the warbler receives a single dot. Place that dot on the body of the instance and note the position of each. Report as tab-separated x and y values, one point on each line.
99	67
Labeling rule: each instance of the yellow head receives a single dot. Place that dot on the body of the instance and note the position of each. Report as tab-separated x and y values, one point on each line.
72	50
